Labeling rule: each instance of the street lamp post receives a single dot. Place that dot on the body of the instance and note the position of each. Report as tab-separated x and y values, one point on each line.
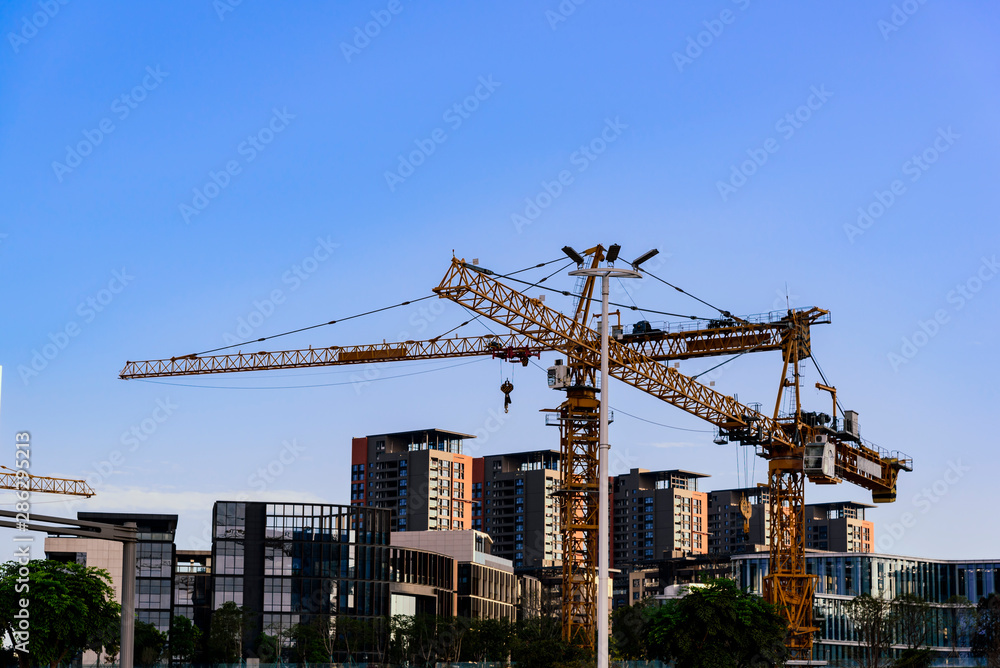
603	560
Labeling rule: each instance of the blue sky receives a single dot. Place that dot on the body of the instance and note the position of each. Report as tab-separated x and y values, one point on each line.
173	170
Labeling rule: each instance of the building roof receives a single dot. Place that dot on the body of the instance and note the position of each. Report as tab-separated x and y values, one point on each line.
667	473
840	504
873	555
524	455
155	522
432	430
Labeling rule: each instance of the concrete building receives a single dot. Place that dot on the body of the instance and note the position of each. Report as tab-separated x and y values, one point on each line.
420	476
486	586
841	576
514	500
657	512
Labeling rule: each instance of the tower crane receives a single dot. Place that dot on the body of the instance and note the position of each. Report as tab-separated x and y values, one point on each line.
797	445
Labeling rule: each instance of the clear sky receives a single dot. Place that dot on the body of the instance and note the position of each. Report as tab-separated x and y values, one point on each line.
178	176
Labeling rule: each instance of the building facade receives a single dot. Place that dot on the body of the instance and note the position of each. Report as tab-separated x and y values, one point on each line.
154	554
514	502
726	524
836	527
657	512
193	586
486	586
422	477
841	576
288	563
839	527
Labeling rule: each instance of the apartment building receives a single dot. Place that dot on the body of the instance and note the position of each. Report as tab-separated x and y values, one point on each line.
514	501
839	526
726	522
657	512
421	476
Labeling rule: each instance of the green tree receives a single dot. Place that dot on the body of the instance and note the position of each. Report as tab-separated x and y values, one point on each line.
70	606
184	639
873	620
227	631
308	644
488	640
149	644
630	631
267	648
912	616
539	644
961	619
717	626
986	634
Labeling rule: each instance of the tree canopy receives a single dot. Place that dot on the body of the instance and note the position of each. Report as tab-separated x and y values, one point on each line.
717	626
71	607
986	634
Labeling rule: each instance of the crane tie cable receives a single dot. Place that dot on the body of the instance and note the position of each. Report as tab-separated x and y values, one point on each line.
351	317
567	293
322	324
682	291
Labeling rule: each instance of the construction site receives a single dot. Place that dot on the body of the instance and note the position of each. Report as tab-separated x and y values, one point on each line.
566	335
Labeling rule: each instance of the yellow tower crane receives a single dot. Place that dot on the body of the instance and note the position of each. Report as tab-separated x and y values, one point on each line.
797	445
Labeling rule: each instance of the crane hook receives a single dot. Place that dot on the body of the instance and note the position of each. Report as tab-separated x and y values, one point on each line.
506	388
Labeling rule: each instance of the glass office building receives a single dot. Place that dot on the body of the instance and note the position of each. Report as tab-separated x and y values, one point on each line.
844	575
292	562
154	563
